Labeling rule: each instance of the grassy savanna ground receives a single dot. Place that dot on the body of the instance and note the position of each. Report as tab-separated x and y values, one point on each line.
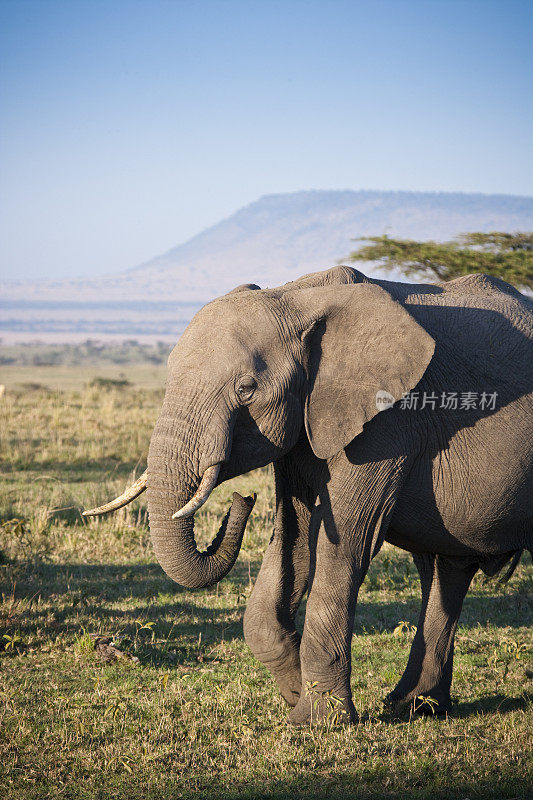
64	366
197	715
62	377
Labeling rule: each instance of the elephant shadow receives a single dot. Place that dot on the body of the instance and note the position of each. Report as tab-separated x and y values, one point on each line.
51	602
60	601
493	704
514	610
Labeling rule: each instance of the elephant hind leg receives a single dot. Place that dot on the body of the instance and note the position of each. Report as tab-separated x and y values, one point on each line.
445	582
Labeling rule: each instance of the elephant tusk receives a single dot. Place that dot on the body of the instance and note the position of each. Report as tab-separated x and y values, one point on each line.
130	494
207	484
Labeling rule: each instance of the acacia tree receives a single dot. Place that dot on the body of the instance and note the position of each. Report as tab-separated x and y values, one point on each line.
503	255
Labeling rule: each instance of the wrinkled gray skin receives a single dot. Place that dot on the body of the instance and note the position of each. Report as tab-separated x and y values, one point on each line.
289	376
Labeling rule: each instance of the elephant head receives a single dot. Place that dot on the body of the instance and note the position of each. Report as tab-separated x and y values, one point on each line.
252	371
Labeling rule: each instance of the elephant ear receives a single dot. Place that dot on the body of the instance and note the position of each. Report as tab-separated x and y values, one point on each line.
360	342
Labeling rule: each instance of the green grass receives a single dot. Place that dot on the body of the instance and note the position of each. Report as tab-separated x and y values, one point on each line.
198	716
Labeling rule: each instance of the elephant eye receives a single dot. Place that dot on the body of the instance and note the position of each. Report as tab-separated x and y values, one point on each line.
245	389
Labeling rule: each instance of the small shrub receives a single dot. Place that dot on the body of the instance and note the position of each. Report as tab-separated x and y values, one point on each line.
12	643
109	383
84	645
31	386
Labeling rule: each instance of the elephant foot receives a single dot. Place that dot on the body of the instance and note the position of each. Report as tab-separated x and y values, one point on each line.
290	686
289	693
426	702
279	652
323	707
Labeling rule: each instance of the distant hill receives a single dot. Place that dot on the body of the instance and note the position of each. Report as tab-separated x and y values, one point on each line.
280	237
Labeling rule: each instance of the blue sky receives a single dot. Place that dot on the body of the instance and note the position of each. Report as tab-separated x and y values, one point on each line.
130	125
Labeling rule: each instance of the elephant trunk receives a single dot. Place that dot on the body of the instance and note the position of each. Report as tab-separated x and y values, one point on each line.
175	545
172	484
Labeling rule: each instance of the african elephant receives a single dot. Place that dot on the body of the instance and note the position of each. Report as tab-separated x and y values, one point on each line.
391	412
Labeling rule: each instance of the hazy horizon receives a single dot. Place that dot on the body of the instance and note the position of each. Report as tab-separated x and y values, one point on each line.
273	196
274	240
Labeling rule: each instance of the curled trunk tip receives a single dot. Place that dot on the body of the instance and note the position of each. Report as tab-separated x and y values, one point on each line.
179	556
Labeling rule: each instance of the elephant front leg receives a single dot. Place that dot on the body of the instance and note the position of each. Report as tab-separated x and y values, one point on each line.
354	512
445	582
325	649
269	620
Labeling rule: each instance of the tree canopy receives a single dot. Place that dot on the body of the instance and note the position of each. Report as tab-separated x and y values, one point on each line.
503	255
